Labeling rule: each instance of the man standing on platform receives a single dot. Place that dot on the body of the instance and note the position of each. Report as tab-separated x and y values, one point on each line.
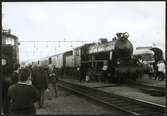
40	81
82	72
161	70
15	74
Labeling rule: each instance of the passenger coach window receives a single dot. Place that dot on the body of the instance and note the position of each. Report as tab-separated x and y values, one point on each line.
50	60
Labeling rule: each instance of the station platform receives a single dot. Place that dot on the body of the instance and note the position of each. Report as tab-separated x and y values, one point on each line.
90	84
146	80
124	90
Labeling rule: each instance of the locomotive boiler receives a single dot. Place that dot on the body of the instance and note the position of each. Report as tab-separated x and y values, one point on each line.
116	50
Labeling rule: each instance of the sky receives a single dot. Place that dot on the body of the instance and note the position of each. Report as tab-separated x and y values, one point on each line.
84	22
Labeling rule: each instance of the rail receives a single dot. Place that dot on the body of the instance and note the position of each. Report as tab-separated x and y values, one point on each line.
130	106
153	90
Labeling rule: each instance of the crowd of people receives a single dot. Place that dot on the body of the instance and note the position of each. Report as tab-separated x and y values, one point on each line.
156	70
27	87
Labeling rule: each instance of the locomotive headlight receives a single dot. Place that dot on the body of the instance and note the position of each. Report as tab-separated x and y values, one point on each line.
122	35
3	62
126	35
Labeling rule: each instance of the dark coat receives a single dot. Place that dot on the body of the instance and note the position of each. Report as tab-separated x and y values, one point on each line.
54	77
40	78
14	78
5	98
22	98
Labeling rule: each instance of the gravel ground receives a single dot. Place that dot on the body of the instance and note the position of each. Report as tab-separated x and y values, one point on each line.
66	103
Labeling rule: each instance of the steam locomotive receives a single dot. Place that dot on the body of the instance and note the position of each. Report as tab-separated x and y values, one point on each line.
111	60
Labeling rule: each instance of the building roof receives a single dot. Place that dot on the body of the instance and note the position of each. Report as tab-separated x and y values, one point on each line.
8	34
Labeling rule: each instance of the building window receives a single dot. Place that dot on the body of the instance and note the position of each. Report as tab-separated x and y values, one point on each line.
9	40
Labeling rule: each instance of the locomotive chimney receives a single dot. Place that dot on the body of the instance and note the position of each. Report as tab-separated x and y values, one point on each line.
119	35
122	36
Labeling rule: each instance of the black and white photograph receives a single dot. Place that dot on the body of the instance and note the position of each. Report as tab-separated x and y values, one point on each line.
83	58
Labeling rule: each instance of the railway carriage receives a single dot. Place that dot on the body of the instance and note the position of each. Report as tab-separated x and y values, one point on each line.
44	62
158	53
57	60
36	63
147	58
151	58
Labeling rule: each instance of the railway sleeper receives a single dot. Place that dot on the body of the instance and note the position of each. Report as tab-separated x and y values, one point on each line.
120	101
104	98
131	106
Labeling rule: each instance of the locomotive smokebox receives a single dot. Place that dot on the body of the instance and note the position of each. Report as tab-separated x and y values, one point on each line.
123	46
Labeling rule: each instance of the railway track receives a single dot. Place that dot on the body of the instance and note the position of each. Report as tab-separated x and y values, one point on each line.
153	90
130	106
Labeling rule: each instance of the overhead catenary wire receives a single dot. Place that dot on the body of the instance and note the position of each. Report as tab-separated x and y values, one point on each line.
56	41
47	44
